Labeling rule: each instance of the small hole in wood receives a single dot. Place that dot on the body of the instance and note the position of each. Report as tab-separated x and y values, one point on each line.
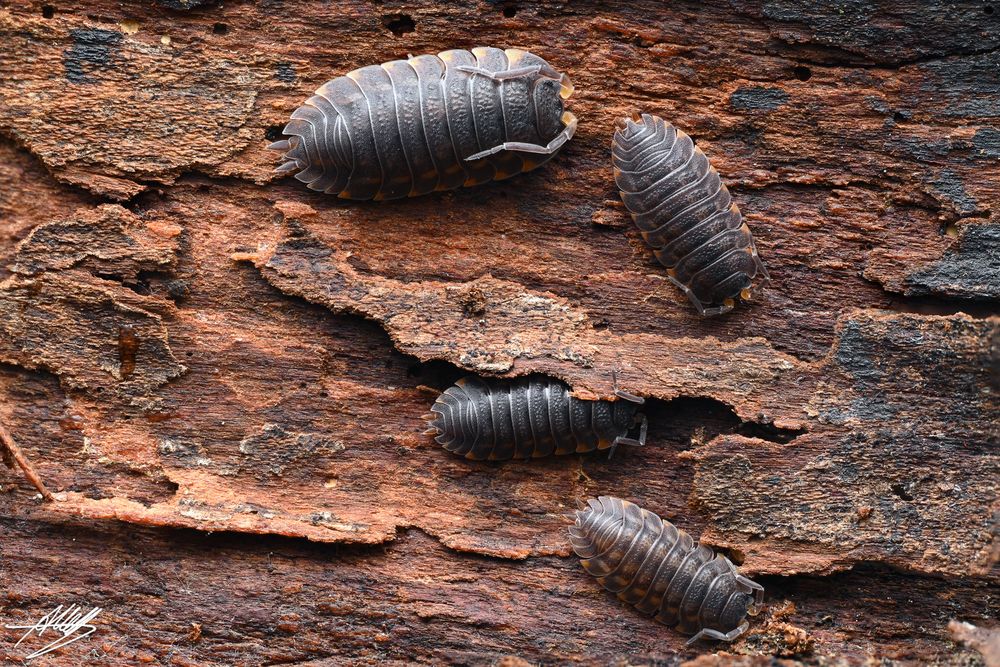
48	11
802	73
220	29
273	133
399	24
988	10
510	11
900	491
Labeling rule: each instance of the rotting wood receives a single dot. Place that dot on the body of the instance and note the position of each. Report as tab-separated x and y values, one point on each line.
12	455
836	432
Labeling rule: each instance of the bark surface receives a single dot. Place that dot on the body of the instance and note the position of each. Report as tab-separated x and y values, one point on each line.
220	374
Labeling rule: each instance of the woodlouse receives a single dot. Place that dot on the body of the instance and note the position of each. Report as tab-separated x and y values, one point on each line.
528	418
685	213
657	568
432	122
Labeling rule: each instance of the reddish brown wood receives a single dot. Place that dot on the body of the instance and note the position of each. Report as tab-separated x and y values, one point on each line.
12	455
192	345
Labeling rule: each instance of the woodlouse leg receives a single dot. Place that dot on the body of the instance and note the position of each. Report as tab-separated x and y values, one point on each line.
505	75
719	310
643	427
688	293
702	310
721	636
760	265
551	147
517	72
622	440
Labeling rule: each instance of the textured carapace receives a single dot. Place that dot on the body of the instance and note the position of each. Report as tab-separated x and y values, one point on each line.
658	569
409	127
685	213
529	417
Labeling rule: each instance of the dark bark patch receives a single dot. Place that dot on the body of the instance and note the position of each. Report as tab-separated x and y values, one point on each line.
93	50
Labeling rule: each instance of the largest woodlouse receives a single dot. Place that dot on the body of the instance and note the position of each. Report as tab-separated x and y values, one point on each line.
658	568
685	213
432	122
529	417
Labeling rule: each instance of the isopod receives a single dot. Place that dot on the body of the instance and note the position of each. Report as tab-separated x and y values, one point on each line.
431	122
659	569
686	214
528	418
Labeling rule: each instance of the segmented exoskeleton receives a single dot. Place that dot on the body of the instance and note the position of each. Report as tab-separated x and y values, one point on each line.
685	213
409	127
657	568
528	418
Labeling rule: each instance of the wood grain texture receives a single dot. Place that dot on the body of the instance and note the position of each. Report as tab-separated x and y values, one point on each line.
191	345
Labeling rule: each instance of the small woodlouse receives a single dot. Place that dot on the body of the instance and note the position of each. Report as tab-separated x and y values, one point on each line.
657	568
432	122
685	213
528	418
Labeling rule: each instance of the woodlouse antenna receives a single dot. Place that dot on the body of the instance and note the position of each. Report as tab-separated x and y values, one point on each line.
622	394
